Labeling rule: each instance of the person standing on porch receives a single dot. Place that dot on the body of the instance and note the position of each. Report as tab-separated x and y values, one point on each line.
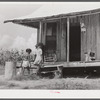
38	59
38	54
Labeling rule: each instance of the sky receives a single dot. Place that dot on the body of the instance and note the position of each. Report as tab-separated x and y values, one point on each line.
21	37
13	35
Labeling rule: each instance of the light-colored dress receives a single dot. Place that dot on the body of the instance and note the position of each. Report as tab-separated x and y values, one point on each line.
25	63
38	54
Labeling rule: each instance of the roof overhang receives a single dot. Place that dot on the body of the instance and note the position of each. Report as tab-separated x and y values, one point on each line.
34	22
25	22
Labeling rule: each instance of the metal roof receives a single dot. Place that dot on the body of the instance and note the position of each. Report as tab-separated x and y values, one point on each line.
57	10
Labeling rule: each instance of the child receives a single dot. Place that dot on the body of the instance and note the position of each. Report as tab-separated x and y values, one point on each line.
26	61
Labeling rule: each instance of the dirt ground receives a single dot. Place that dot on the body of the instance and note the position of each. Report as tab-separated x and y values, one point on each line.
46	83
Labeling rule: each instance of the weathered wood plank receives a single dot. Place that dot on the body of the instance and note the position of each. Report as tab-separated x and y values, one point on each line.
63	40
68	26
89	39
58	42
98	36
83	39
93	33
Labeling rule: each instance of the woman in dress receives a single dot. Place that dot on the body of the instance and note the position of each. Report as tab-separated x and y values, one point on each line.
39	58
38	53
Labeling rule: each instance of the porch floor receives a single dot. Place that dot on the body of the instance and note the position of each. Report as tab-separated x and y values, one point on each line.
74	64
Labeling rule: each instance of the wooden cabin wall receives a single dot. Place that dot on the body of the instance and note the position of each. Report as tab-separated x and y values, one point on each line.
90	40
84	37
63	40
44	32
58	52
97	21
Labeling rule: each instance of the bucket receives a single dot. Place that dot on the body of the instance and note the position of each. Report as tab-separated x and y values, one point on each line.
10	70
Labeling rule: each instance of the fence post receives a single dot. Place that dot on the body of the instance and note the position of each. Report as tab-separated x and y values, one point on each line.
10	70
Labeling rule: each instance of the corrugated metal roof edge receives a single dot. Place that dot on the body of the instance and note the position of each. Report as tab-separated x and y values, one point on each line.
82	13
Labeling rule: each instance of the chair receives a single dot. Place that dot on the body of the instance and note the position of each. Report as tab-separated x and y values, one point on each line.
50	57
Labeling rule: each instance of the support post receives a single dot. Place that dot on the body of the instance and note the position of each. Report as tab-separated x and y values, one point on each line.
68	26
45	29
40	32
38	35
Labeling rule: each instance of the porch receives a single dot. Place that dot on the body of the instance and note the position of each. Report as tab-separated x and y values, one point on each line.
80	69
73	64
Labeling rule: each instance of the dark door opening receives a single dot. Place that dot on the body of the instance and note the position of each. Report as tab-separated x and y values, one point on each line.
51	37
75	42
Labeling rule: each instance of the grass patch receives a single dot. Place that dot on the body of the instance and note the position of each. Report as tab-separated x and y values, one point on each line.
26	77
3	83
10	85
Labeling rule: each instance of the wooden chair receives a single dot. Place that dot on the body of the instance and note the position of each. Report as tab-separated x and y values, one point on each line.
50	57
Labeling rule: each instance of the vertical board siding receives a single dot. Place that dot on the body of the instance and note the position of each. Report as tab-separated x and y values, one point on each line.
98	36
58	51
94	34
89	40
63	40
83	40
82	47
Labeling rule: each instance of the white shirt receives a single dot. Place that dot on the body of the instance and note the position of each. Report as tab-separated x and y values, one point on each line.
38	53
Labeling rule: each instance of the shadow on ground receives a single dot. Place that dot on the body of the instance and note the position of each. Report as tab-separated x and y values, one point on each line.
83	72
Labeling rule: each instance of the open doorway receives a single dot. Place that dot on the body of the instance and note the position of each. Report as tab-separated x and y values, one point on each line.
75	42
51	37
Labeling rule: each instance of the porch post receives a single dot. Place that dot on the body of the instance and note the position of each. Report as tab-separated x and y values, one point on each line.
45	29
68	39
37	35
40	32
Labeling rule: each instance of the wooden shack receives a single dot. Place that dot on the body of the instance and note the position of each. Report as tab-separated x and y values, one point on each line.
69	35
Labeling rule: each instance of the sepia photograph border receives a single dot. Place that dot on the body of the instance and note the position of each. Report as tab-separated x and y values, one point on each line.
50	94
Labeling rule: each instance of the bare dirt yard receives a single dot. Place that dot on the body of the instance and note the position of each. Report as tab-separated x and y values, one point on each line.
68	83
59	84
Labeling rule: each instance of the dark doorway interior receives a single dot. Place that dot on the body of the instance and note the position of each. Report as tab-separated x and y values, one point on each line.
51	37
75	42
